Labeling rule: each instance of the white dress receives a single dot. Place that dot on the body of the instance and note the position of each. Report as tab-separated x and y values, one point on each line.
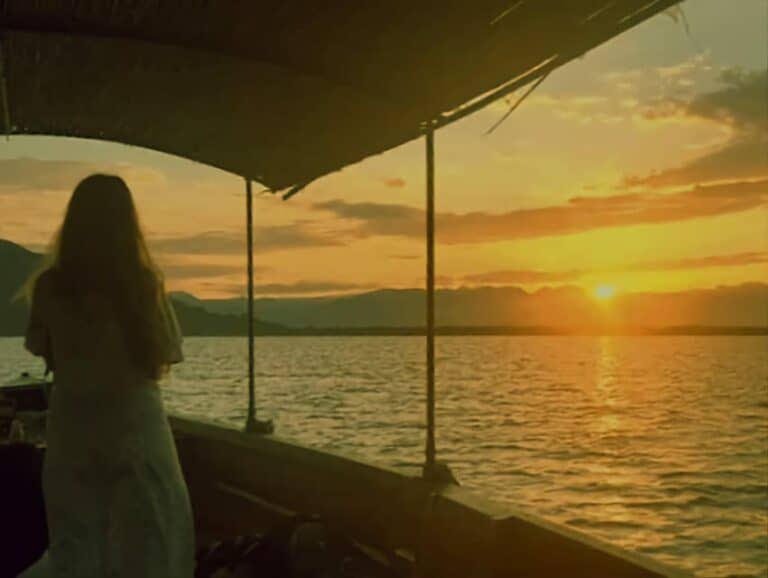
116	500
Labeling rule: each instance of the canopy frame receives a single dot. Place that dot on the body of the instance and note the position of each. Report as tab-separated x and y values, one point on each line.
286	114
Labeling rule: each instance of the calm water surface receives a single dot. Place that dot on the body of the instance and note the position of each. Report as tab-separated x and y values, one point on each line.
657	444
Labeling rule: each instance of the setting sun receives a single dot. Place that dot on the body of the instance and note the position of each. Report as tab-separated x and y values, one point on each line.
604	292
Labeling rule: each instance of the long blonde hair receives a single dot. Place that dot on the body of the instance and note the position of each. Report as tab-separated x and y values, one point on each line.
100	249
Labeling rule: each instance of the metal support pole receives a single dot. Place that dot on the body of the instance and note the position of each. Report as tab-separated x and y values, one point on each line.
4	107
430	448
252	424
249	229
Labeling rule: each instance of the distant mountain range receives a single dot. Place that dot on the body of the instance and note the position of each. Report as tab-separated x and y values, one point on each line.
558	309
17	263
735	309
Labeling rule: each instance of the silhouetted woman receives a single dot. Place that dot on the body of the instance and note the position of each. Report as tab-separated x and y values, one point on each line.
116	500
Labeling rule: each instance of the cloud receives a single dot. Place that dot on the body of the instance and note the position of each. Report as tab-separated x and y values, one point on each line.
624	81
272	238
210	243
307	288
511	276
580	214
395	182
578	107
683	70
738	160
740	104
218	287
740	101
24	175
198	270
378	218
711	261
291	237
523	276
440	281
300	288
624	89
369	211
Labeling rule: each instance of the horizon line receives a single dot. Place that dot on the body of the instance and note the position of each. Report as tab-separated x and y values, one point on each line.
353	293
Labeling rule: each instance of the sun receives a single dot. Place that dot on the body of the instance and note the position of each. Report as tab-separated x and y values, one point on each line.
605	292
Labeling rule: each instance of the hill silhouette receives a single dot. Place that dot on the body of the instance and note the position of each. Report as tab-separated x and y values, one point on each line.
17	263
560	309
741	309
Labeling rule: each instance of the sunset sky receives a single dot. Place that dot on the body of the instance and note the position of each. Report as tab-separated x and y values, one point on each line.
640	167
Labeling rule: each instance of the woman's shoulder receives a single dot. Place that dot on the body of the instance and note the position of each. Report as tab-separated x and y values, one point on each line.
49	285
44	283
152	278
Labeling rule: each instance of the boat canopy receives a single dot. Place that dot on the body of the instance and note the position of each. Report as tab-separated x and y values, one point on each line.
281	91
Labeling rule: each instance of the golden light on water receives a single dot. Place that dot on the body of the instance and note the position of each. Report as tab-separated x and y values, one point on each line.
605	292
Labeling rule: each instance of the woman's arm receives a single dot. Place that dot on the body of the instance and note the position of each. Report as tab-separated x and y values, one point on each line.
38	338
172	332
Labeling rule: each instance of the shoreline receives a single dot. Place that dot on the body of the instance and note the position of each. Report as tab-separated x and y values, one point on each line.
458	331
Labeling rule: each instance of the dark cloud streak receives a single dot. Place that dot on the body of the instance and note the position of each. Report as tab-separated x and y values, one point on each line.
265	239
395	182
741	103
738	160
580	214
197	270
524	276
307	288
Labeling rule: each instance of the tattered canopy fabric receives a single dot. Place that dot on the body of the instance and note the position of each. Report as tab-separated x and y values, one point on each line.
281	91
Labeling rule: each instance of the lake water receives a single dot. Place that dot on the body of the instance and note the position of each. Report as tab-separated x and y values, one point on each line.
657	444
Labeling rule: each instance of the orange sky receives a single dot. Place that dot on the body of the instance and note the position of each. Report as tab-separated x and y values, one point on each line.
641	166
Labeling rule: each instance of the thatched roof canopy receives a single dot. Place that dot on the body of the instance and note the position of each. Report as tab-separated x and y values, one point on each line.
281	91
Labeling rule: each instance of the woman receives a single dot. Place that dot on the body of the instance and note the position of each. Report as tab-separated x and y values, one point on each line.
117	504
